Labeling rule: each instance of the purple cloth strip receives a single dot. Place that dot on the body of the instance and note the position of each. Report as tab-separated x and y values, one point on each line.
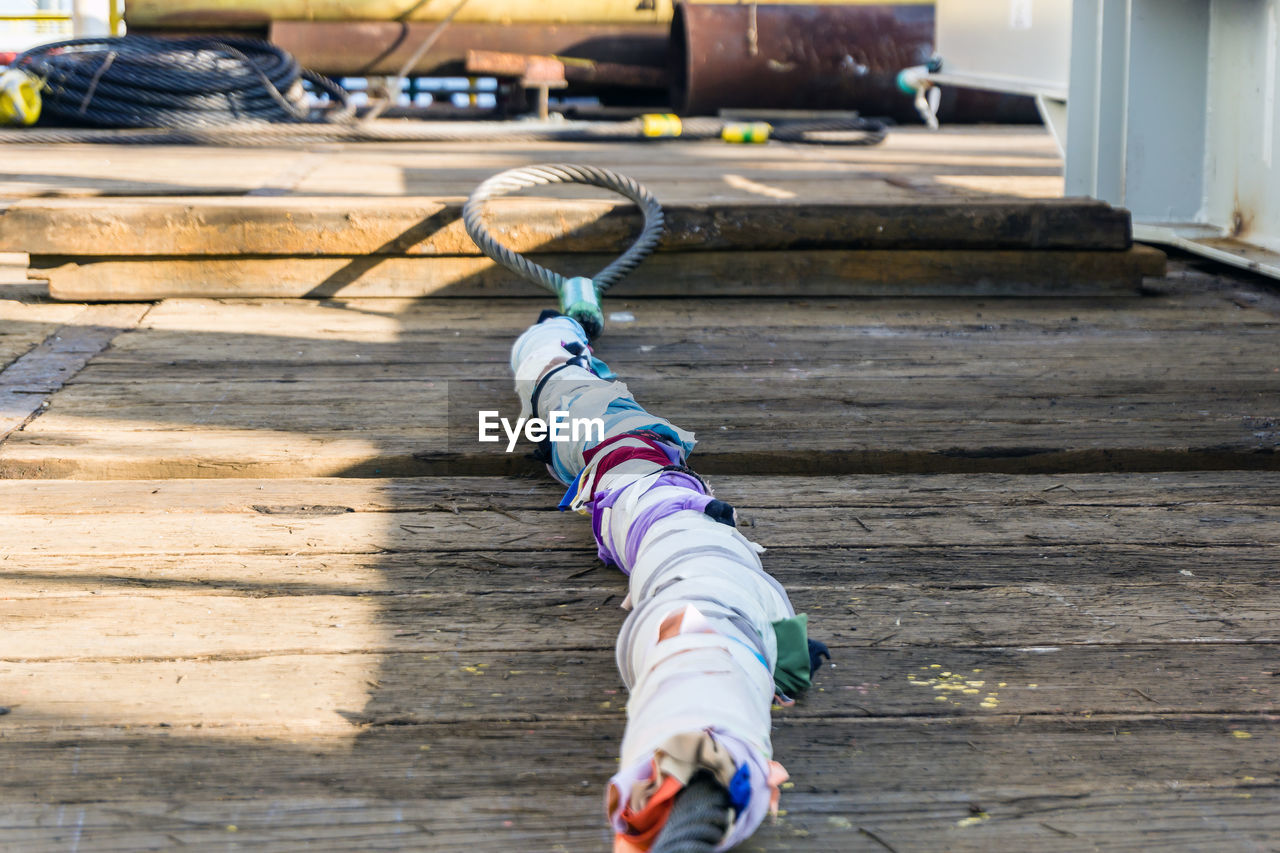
608	499
655	513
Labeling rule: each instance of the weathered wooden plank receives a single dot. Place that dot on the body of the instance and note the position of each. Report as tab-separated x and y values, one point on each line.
24	324
237	626
815	822
205	453
1008	567
457	167
1026	374
304	497
1139	780
323	692
1071	756
146	450
1036	361
747	401
311	331
520	529
27	384
903	168
1091	373
871	272
17	342
432	226
1211	572
887	391
850	353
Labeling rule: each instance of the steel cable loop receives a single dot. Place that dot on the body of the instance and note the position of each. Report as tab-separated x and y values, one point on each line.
513	180
142	82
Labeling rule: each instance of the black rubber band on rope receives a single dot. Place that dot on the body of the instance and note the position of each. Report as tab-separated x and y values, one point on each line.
699	817
542	383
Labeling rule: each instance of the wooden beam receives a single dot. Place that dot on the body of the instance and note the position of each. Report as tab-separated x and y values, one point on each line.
350	226
711	273
238	693
1004	781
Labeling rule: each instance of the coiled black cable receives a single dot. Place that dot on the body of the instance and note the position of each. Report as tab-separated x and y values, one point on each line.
137	82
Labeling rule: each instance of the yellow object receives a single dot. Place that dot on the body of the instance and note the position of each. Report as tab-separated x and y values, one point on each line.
661	124
749	131
176	13
35	17
19	98
197	13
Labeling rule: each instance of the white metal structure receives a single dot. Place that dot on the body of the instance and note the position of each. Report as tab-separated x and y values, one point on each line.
1018	46
27	23
1173	114
1170	107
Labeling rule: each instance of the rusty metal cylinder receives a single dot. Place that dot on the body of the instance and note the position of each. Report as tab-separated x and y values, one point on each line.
813	57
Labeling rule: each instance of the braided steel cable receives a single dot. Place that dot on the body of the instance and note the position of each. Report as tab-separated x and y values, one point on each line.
579	297
185	83
247	134
699	818
829	131
513	180
244	133
849	131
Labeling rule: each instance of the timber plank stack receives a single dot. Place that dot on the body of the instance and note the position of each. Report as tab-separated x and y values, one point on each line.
138	248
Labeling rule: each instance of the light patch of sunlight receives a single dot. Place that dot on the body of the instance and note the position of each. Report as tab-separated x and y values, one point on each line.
1023	186
210	620
738	182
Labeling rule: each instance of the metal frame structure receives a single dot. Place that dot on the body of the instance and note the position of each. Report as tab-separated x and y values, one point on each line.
1169	108
1173	114
83	18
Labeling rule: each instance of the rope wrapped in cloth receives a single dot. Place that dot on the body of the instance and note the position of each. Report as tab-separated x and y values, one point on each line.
711	638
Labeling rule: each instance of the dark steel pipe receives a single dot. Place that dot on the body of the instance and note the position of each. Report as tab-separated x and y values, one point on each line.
752	55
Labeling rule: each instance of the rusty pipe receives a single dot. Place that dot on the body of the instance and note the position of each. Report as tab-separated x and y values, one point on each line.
816	57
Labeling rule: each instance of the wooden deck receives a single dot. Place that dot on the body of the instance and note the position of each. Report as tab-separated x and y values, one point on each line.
913	163
259	588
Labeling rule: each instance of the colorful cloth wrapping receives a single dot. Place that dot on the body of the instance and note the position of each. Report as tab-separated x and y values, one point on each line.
552	343
698	649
